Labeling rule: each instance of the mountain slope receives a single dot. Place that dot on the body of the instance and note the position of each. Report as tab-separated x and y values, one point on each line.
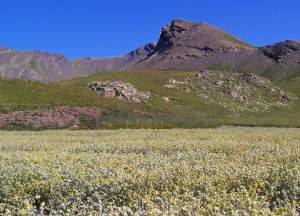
273	61
198	45
36	65
208	95
185	44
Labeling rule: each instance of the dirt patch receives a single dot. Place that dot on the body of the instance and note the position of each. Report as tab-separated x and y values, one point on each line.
63	116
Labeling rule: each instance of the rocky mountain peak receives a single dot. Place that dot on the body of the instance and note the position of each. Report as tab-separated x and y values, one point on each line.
143	51
179	25
279	51
199	35
184	44
169	33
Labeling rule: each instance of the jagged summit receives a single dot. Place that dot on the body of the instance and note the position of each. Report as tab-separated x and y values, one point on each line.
199	35
183	44
199	45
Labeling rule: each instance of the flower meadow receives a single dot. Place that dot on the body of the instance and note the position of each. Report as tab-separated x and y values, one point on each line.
224	171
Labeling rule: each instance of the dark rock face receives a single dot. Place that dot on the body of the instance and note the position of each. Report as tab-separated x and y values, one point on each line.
280	50
169	33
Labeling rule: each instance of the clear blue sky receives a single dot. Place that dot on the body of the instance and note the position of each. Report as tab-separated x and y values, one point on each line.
103	28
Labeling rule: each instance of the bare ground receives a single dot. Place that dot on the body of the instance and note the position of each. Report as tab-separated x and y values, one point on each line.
63	116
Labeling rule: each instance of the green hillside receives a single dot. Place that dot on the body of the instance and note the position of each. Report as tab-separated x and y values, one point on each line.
218	108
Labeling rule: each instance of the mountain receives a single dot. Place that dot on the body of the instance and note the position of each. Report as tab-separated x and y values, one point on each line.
185	44
198	45
41	66
182	45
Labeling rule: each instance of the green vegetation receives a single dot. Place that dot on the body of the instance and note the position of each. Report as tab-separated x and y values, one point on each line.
221	67
32	64
291	83
236	40
182	107
189	70
225	171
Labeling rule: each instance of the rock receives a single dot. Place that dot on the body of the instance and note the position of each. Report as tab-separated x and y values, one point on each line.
242	97
273	91
136	100
230	79
279	104
105	91
165	98
234	94
143	95
205	71
219	82
169	86
172	81
280	50
286	97
187	80
202	96
255	80
117	89
247	91
185	90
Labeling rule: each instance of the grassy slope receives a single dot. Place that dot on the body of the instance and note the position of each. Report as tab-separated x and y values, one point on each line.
15	91
291	83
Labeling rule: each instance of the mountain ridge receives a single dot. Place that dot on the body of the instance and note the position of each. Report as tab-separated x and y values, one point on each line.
199	45
46	66
182	45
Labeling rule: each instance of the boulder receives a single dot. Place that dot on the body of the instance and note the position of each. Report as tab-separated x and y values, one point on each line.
202	96
218	82
165	98
136	100
255	80
230	79
117	89
169	86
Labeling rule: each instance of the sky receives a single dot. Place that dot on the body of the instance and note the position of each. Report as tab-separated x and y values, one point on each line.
104	28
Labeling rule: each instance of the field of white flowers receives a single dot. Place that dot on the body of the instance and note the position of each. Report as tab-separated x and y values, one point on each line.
225	171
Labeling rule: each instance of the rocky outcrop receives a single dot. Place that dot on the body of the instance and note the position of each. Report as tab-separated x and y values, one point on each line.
235	92
118	89
280	50
255	80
